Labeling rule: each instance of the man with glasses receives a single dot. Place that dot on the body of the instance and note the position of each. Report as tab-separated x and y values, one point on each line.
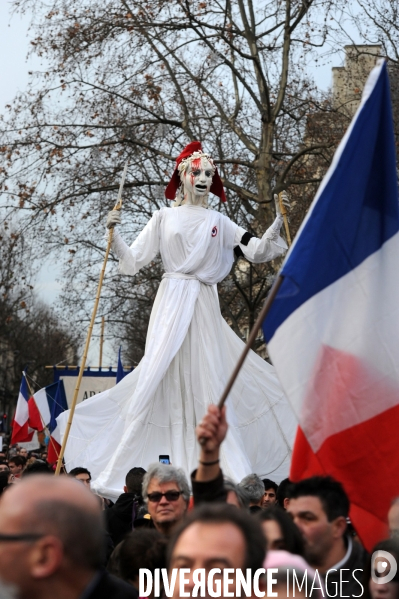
52	542
166	493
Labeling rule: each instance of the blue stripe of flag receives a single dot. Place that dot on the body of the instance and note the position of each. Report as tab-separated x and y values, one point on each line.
355	214
24	390
58	402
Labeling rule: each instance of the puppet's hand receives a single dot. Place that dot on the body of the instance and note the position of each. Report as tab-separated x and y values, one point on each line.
113	218
284	200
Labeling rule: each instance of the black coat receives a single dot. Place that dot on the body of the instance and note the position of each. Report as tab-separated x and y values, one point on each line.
118	518
110	587
351	574
212	491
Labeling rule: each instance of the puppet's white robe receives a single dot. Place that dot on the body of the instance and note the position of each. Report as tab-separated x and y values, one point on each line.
190	354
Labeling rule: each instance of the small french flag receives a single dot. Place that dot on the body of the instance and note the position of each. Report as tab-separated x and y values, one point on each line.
41	411
21	431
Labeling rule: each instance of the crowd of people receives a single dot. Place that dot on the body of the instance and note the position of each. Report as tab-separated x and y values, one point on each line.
58	539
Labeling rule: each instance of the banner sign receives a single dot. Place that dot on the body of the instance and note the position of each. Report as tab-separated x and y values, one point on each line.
93	381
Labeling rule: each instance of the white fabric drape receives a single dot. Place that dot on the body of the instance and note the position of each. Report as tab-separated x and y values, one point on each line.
190	353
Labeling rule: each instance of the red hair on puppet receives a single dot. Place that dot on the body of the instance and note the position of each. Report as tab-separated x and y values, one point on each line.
175	182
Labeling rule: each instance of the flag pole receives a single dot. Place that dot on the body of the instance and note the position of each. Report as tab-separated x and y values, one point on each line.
252	336
102	341
117	206
283	211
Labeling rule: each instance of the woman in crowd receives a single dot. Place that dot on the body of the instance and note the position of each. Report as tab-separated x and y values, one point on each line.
280	531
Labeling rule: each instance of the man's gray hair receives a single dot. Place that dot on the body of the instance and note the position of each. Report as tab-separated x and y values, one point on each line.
240	493
165	473
253	486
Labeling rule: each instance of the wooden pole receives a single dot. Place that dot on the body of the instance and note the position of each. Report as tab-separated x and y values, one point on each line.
117	206
252	336
102	340
283	211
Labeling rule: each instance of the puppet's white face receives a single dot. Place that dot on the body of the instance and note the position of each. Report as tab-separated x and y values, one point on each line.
197	180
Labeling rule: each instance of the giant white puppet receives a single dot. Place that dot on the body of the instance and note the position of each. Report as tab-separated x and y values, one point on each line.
190	350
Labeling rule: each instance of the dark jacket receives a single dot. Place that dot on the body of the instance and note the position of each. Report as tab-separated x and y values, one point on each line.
107	586
118	518
346	573
211	491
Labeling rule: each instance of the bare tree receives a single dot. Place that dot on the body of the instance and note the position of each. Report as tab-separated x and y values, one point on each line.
377	26
31	335
137	81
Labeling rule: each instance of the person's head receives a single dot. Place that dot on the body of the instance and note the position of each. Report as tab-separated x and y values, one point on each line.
4	467
81	474
23	452
134	481
280	531
143	548
196	173
37	467
393	519
270	495
16	465
290	569
236	495
319	507
51	536
3	481
254	488
166	492
381	567
283	493
216	536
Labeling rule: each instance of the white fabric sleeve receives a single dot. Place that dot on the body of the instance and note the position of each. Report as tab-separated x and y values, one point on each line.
270	246
142	251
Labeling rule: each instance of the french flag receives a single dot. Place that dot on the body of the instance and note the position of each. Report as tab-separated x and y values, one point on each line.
333	329
44	407
21	430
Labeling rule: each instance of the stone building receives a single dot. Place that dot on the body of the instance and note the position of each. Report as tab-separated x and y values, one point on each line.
349	80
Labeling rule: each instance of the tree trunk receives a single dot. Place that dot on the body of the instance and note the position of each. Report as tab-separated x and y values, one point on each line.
263	168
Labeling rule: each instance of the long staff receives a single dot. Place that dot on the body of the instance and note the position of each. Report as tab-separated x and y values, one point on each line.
252	336
117	206
283	211
262	315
